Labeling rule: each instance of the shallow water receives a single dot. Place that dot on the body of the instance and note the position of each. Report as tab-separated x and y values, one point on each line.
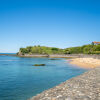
19	80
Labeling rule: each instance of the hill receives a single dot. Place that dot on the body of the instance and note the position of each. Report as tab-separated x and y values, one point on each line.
85	49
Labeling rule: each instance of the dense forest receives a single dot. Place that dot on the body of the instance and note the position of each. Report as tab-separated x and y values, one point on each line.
85	49
41	50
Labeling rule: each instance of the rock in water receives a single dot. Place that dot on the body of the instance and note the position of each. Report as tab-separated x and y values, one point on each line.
54	59
39	65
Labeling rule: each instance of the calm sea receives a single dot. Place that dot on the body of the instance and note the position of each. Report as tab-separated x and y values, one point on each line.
19	80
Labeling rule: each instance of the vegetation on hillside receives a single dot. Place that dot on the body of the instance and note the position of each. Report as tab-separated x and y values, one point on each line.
86	49
41	50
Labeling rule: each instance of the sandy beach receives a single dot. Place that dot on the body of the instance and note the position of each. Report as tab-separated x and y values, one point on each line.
85	62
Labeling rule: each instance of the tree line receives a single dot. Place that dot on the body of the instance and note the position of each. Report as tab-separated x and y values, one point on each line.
85	49
41	50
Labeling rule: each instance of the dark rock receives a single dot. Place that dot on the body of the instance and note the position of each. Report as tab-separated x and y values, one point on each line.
39	65
53	59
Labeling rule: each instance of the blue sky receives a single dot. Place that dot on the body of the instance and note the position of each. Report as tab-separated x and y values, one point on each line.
57	23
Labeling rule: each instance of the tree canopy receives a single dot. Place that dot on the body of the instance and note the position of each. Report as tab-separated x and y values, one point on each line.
85	49
41	50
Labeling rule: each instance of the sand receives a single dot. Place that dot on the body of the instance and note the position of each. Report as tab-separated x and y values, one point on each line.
85	62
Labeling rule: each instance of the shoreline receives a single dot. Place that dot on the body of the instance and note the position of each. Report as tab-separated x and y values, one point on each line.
85	62
62	55
50	56
83	87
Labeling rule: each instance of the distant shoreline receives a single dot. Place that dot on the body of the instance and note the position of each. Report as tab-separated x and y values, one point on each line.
8	54
50	56
96	56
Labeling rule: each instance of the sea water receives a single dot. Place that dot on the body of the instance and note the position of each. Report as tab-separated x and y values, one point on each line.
19	80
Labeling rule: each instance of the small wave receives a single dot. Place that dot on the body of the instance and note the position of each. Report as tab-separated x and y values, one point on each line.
8	60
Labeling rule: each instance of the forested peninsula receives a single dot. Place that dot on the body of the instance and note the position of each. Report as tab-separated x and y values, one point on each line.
85	49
